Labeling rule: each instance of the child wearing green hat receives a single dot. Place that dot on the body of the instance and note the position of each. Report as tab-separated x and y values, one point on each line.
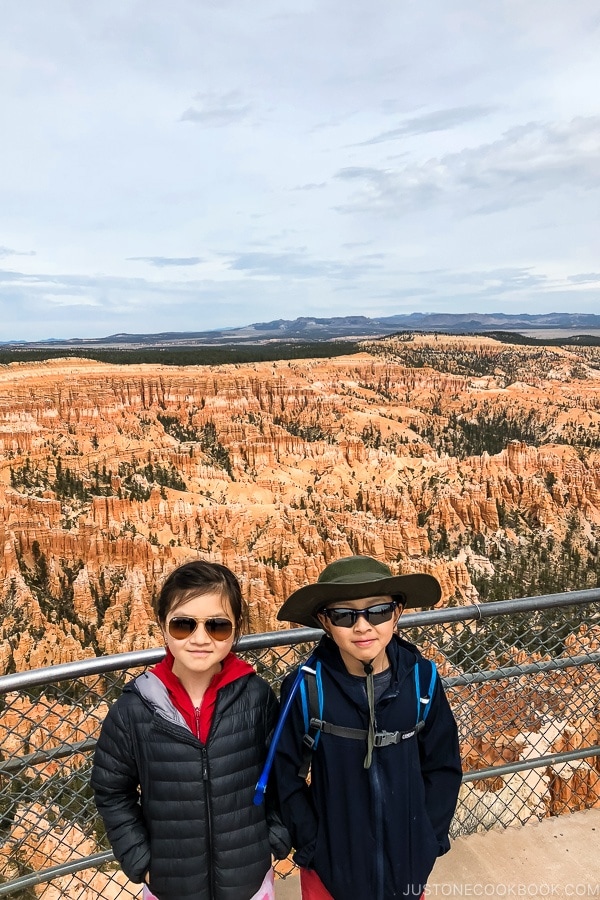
382	748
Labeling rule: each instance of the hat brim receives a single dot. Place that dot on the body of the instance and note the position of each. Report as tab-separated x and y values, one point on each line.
302	606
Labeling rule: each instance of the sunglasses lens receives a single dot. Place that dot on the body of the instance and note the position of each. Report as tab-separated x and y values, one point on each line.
377	615
182	627
219	629
342	618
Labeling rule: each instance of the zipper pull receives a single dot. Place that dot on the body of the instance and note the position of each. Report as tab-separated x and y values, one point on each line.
204	765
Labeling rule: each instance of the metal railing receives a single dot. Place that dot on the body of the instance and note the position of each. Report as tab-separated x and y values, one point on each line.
522	677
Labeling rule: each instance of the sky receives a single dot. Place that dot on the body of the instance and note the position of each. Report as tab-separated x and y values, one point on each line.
202	164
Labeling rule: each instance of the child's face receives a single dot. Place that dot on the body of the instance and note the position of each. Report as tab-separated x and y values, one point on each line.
201	651
363	642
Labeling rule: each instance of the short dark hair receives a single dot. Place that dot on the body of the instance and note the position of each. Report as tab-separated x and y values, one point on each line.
196	578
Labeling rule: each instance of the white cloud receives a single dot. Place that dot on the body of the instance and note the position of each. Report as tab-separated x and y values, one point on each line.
438	120
7	251
161	262
523	165
213	110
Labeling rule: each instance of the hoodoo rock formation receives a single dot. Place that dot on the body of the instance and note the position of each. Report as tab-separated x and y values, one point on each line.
435	453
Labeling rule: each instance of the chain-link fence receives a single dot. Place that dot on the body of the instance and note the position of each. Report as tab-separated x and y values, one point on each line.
522	677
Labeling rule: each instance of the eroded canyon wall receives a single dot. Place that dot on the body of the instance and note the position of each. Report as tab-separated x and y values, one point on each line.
112	475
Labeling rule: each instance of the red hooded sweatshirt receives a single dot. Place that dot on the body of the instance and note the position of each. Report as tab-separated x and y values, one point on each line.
199	718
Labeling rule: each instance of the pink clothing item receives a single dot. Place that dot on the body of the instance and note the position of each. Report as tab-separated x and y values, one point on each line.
267	889
265	892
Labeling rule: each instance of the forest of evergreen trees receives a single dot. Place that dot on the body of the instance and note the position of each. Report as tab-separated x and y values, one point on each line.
189	356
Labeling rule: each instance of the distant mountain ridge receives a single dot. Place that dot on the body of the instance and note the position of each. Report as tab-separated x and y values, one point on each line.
310	328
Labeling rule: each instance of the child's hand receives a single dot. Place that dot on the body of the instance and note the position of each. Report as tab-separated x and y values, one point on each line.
279	837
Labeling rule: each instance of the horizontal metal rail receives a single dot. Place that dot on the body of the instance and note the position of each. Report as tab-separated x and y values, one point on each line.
288	637
536	762
43	756
544	665
78	865
552	665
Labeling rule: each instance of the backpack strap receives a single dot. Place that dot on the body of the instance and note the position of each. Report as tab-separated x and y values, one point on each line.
382	738
424	669
311	691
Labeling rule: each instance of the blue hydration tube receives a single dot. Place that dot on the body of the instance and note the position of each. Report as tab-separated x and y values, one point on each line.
261	784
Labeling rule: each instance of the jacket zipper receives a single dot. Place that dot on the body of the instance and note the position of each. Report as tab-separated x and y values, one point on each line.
209	822
207	800
207	803
378	805
209	827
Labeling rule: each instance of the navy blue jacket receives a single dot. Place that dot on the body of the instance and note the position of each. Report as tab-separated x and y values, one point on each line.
370	834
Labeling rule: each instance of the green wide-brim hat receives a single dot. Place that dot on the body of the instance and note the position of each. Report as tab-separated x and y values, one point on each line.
355	578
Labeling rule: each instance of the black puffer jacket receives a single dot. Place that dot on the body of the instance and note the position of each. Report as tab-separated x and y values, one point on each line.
192	822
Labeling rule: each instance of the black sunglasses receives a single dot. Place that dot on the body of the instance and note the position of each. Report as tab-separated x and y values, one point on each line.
375	615
181	627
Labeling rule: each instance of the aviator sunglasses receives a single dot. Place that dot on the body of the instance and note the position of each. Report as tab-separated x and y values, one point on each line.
375	615
181	627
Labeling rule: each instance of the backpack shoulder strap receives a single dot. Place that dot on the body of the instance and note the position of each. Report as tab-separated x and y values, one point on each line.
425	674
311	693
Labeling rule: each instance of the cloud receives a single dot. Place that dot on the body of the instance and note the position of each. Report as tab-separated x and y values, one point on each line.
61	298
7	251
300	265
92	290
312	186
217	110
522	166
439	120
585	278
489	280
162	262
509	283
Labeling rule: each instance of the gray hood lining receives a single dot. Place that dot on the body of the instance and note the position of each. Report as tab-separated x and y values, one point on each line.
154	691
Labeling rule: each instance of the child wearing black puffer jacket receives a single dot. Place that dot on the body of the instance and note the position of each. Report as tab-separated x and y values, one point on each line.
180	752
